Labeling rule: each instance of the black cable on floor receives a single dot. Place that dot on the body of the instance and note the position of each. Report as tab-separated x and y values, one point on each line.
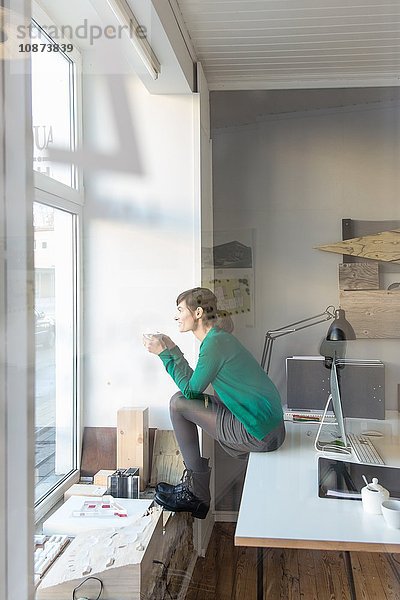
83	582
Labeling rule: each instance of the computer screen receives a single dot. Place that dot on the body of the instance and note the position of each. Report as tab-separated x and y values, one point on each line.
331	437
362	386
337	402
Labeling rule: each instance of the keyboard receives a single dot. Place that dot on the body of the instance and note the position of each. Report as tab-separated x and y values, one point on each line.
47	549
364	449
307	417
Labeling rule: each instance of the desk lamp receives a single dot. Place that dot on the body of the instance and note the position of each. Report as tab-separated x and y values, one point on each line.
333	347
339	331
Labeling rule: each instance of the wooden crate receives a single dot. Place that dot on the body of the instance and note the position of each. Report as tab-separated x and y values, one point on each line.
133	441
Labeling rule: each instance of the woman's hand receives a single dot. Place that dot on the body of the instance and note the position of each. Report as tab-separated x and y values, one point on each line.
157	342
153	342
168	342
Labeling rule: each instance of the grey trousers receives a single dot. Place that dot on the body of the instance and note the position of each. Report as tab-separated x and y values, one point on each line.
221	425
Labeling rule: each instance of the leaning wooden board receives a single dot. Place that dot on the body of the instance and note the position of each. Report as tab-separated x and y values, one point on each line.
372	313
167	462
99	450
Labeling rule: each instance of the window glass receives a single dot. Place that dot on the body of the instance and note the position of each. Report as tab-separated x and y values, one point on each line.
55	377
52	108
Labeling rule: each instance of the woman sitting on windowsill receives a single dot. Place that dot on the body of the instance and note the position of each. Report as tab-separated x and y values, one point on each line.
245	414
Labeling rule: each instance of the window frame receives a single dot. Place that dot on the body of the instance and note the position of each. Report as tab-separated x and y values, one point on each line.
16	326
63	197
43	182
50	499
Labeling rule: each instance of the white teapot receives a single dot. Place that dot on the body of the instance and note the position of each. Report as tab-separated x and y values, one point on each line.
372	496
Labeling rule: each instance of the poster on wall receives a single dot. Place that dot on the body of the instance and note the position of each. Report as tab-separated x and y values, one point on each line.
233	281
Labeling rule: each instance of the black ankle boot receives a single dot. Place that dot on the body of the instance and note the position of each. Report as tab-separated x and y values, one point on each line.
170	488
167	488
192	494
183	501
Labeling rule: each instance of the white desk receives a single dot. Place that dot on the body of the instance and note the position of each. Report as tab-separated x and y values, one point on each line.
280	506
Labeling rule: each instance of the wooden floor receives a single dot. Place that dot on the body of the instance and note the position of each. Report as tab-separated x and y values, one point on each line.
229	573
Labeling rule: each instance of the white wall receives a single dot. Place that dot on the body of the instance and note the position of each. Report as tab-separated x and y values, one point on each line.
291	179
141	248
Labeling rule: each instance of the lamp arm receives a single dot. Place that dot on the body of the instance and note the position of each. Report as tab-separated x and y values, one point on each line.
273	334
327	314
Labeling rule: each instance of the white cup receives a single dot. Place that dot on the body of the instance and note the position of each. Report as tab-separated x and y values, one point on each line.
391	513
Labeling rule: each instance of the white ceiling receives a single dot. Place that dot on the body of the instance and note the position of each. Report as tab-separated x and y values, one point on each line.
272	44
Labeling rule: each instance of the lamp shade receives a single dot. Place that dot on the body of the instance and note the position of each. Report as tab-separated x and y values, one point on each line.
340	329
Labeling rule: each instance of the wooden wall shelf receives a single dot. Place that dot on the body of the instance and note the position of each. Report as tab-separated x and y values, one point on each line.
383	246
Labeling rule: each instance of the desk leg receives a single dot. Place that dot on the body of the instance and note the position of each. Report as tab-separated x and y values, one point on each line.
260	573
350	578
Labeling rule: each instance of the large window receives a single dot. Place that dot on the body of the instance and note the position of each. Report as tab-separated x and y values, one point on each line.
56	219
52	109
55	345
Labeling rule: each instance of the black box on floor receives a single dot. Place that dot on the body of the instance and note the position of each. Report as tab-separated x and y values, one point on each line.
124	483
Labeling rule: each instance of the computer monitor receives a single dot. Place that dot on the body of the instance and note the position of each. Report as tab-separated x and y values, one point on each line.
338	439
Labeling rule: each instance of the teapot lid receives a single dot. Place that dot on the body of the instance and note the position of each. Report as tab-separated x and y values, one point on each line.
374	486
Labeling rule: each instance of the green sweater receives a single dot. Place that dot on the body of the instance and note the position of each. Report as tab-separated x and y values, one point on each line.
240	382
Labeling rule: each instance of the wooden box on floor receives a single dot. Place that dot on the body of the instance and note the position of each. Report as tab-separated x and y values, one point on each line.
101	477
132	577
133	441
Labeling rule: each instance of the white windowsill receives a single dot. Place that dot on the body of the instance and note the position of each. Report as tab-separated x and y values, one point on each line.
44	508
